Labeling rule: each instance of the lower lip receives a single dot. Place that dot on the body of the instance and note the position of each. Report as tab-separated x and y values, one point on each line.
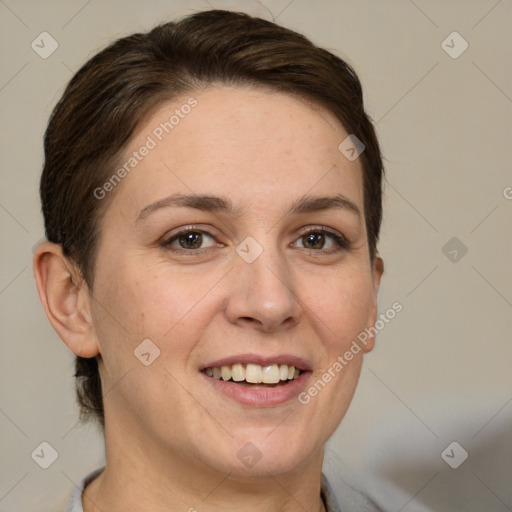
262	397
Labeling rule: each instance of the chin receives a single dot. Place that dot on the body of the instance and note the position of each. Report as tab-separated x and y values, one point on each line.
265	451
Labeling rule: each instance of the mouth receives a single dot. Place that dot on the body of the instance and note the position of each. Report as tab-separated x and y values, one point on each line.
254	375
258	381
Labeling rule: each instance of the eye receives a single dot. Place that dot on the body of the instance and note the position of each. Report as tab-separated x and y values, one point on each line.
189	240
322	239
195	241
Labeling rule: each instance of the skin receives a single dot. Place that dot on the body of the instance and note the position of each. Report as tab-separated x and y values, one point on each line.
171	440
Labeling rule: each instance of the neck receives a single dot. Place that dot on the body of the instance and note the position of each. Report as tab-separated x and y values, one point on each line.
146	478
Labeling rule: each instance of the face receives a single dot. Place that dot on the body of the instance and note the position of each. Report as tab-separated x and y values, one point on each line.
237	238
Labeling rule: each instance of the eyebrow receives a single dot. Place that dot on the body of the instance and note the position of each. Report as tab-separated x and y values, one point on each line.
209	203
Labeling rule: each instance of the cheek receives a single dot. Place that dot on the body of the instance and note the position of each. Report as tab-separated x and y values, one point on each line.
155	302
342	306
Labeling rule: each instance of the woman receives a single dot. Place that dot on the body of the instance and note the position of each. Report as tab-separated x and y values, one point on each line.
212	201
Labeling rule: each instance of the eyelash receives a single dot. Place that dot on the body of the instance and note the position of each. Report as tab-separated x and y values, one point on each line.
341	243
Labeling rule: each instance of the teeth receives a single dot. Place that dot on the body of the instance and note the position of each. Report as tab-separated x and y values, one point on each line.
254	373
225	373
237	372
271	374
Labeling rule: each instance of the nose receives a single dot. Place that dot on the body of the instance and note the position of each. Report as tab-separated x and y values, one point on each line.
263	294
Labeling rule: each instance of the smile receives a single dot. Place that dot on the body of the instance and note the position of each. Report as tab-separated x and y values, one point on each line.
258	380
249	374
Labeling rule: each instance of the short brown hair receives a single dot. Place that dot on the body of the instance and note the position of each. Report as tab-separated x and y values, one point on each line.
118	87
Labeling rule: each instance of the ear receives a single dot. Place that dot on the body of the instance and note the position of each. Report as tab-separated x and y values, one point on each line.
377	271
65	298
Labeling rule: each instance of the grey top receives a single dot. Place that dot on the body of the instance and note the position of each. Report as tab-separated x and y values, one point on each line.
328	496
350	500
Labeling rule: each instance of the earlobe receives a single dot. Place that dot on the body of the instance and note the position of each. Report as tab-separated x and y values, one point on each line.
65	299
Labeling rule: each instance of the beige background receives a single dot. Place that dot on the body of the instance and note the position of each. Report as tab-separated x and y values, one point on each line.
442	369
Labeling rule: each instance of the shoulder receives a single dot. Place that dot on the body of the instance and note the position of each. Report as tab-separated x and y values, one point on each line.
75	505
339	496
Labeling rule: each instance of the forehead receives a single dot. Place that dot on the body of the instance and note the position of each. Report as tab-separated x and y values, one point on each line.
251	144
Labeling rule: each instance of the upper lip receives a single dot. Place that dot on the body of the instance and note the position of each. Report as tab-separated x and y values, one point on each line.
266	360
